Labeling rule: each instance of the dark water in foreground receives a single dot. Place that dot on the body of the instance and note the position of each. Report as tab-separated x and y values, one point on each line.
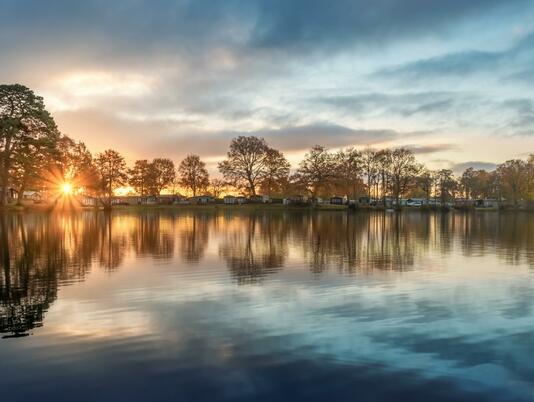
273	306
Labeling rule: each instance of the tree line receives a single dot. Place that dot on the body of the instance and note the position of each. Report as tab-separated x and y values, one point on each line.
35	155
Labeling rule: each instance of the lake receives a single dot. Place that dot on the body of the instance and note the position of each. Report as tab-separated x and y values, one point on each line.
170	305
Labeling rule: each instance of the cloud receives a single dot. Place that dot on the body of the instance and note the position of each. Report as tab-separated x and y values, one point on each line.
522	121
329	135
455	64
303	24
186	76
431	148
508	65
459	168
404	104
174	139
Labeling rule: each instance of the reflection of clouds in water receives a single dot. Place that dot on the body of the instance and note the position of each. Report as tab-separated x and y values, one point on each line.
39	251
440	299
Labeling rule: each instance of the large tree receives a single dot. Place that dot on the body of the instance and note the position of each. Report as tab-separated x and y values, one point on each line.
75	166
276	173
141	177
514	179
164	174
426	182
111	168
349	168
217	187
384	164
245	164
403	169
370	169
446	185
193	175
317	171
31	164
26	127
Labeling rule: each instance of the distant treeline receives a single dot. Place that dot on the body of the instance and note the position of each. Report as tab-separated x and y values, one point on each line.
35	155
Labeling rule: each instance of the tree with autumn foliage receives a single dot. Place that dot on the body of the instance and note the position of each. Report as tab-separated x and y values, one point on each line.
193	175
111	168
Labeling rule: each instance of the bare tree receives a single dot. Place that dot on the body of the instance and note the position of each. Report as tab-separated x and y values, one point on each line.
316	171
349	167
141	177
446	185
245	164
383	160
276	173
164	173
426	181
370	168
193	174
217	187
403	171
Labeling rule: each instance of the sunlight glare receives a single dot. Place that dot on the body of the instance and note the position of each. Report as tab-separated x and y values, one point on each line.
66	188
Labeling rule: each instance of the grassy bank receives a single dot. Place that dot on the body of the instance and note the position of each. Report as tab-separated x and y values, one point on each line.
210	207
244	207
223	207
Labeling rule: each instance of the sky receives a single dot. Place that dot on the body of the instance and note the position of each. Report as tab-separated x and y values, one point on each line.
452	80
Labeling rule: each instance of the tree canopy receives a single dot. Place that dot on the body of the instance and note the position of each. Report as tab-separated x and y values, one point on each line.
193	175
28	135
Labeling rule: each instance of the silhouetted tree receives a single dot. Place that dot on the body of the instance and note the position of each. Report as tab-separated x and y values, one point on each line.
446	185
74	165
111	168
514	178
317	171
163	173
426	181
193	175
276	173
349	168
26	128
403	171
245	164
141	177
370	169
383	160
217	187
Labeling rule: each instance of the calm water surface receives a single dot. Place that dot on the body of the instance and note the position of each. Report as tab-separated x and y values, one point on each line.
269	306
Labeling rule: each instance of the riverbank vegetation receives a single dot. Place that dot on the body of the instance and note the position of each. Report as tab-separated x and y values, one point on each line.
40	164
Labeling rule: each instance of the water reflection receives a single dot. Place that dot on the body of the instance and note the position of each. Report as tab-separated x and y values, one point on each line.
254	246
40	252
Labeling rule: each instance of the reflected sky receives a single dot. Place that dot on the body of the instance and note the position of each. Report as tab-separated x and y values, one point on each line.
237	305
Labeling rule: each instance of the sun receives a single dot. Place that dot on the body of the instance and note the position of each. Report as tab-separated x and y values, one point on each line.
66	188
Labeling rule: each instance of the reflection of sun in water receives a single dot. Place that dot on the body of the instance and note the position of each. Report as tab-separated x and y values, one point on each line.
66	188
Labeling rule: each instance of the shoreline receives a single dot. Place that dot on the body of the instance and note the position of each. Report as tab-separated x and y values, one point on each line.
250	207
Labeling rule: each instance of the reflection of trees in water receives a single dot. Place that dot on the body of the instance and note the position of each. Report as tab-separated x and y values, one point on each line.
194	236
40	252
254	245
37	253
509	235
151	234
112	243
368	241
359	242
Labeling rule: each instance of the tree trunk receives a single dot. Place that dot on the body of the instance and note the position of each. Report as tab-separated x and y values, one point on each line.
4	252
21	190
5	183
